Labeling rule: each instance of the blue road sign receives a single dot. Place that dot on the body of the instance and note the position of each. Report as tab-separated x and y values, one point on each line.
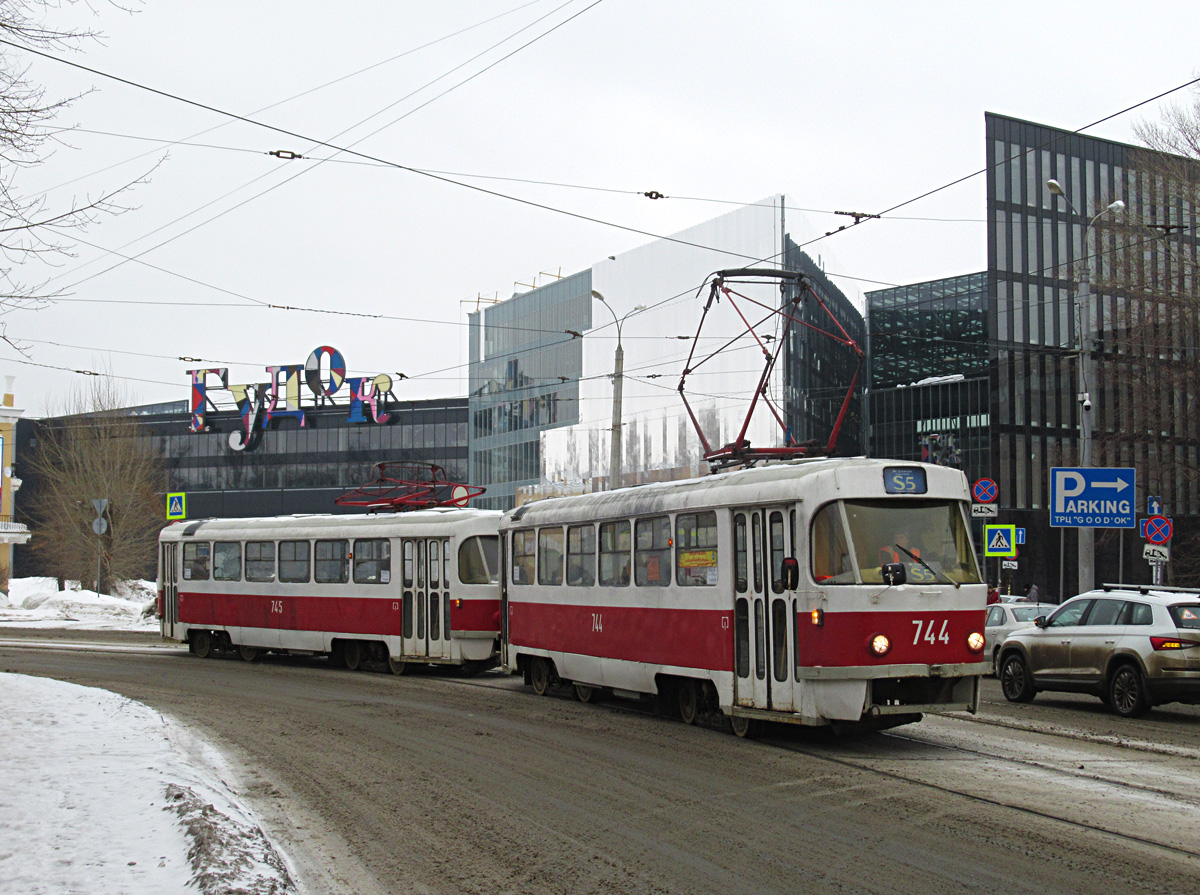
177	505
1154	506
1158	530
999	540
1092	497
1020	536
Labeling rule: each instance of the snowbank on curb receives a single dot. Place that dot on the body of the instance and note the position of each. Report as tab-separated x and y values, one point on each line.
38	603
99	797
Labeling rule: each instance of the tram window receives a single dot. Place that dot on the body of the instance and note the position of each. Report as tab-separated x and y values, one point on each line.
446	613
741	630
523	545
756	551
421	553
260	560
830	552
779	639
760	640
331	562
652	552
293	561
696	549
446	561
935	530
435	563
373	561
740	560
195	560
550	556
408	613
775	543
614	554
407	560
227	561
435	602
479	560
581	555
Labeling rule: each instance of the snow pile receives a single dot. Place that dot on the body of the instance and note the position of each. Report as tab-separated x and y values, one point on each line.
38	603
98	798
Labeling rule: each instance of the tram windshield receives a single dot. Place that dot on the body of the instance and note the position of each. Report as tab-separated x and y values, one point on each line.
853	539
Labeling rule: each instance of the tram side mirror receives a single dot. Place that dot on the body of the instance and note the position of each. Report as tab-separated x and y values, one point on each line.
893	573
791	573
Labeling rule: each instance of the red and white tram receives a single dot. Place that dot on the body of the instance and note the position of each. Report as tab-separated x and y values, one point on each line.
420	587
812	592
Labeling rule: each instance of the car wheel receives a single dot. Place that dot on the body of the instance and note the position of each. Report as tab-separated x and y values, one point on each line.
1127	692
1015	679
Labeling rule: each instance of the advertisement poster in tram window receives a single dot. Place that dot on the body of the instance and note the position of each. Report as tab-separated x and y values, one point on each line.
699	565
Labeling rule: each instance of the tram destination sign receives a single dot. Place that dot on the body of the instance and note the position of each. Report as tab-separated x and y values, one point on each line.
1092	497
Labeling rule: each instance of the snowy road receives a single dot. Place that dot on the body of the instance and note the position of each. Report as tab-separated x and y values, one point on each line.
431	783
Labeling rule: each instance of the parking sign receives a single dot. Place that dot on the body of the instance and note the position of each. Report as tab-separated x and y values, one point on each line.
1092	497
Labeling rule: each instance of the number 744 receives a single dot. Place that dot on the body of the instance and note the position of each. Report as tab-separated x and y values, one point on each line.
929	636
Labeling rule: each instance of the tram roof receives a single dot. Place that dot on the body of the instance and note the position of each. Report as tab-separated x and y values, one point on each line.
316	524
773	483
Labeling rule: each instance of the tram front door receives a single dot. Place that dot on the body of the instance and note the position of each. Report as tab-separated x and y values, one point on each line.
169	563
426	595
764	616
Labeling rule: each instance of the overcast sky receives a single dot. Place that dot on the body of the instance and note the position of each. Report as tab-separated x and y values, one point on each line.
839	106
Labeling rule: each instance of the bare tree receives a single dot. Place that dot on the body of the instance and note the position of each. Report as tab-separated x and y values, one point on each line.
31	225
94	450
1149	268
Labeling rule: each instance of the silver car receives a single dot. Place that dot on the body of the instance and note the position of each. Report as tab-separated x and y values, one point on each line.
1004	618
1134	647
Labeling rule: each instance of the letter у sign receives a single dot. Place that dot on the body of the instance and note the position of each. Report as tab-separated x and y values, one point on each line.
324	373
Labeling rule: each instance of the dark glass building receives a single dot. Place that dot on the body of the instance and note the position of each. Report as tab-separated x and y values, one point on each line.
1022	315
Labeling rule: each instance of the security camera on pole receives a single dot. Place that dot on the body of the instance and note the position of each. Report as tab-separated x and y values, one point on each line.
1087	542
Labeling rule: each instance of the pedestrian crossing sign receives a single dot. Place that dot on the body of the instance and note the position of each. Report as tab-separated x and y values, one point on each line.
1000	540
177	506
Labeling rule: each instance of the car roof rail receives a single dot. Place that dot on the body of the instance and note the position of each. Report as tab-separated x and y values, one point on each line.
1147	588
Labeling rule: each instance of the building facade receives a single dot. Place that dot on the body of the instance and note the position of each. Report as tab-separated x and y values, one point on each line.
1140	324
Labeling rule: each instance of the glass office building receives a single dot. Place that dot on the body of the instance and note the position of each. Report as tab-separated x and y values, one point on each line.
526	361
1022	316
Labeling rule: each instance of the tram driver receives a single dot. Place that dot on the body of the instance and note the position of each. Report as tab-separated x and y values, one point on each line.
893	552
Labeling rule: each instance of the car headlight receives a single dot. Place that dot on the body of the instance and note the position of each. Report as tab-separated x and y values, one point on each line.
880	645
975	641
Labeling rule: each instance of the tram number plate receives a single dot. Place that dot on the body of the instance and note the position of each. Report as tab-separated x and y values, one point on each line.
904	480
931	632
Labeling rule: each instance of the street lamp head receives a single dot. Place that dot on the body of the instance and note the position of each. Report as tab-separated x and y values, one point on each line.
639	307
596	294
1117	206
1055	187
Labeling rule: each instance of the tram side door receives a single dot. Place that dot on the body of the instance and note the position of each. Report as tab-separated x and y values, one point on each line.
170	577
426	597
764	617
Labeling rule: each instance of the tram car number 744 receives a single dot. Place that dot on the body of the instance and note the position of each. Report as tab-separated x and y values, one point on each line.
829	591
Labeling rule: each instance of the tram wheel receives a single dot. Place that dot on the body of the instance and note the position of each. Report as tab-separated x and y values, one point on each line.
689	701
584	693
743	727
352	654
202	643
248	653
397	666
539	676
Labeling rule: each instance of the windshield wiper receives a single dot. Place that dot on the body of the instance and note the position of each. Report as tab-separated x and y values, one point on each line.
928	566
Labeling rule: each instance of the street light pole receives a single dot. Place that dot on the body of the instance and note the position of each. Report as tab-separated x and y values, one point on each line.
614	453
1086	367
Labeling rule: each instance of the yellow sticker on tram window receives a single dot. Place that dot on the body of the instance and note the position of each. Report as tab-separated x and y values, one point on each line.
697	559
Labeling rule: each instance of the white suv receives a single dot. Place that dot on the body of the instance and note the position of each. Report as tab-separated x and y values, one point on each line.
1133	646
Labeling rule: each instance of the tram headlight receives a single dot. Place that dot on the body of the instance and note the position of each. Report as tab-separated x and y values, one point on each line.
880	645
975	641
